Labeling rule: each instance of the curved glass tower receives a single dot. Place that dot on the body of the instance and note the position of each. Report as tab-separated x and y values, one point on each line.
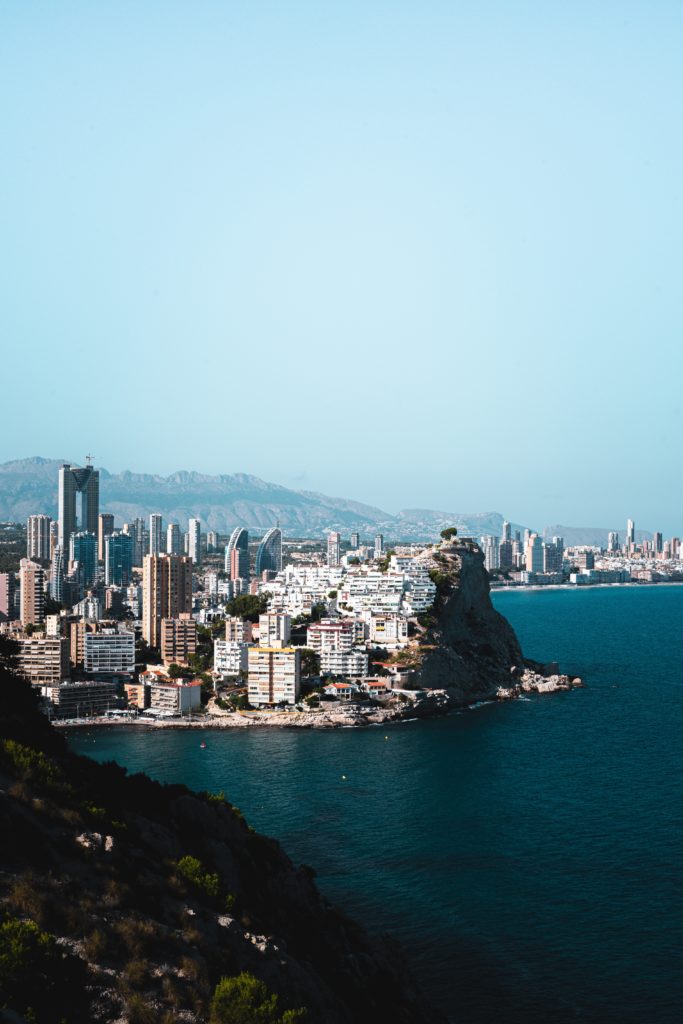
269	554
237	554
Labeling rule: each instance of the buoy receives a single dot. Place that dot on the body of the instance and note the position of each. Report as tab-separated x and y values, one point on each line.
343	776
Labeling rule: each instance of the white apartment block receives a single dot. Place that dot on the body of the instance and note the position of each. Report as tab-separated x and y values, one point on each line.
330	635
230	657
344	663
274	675
389	631
109	652
275	629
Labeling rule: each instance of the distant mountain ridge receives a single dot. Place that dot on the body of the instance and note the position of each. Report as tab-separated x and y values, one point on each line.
222	502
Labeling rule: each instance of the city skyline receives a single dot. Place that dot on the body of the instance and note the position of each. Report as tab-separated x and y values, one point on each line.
463	254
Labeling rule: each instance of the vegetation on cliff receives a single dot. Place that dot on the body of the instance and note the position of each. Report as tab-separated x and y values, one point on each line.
122	899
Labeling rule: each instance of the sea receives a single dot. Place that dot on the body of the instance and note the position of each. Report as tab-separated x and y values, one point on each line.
527	854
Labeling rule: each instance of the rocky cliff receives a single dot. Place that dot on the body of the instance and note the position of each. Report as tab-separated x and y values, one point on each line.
467	648
125	900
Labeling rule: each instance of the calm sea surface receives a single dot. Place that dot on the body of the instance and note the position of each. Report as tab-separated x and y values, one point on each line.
529	855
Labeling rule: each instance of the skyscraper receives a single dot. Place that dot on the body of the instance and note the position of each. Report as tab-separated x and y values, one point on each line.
155	530
174	540
74	480
612	541
534	557
31	592
630	532
195	539
166	592
118	561
333	549
269	553
6	596
379	545
491	546
83	549
507	531
237	554
355	541
58	572
38	538
105	527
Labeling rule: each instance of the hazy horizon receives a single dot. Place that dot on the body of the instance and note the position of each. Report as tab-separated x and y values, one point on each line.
414	257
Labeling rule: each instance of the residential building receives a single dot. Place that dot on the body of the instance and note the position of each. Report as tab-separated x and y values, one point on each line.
269	553
237	555
334	549
109	652
178	639
389	631
237	630
174	541
553	555
195	541
31	592
118	559
490	547
74	480
343	663
166	592
84	699
212	541
612	541
379	545
274	629
105	527
355	541
7	587
230	658
170	697
83	549
630	533
43	660
156	525
38	538
534	553
274	675
330	635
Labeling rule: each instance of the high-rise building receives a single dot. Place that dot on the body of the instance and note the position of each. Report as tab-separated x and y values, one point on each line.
118	560
155	532
379	545
212	541
274	675
630	532
505	554
334	549
83	549
173	540
491	545
58	574
194	534
269	553
553	555
612	541
166	592
31	592
507	531
6	596
534	557
658	543
72	481
355	541
54	536
105	527
38	538
237	555
237	630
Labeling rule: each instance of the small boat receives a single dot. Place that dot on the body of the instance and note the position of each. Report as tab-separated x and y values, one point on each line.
202	745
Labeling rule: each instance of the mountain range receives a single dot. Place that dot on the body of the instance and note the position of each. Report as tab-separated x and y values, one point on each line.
222	502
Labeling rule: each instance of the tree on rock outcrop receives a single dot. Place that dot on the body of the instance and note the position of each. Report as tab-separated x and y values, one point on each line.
246	1000
449	533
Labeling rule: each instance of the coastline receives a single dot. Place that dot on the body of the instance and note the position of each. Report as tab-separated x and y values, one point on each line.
429	704
525	587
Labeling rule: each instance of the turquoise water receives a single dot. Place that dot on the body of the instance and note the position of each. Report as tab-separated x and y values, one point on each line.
529	855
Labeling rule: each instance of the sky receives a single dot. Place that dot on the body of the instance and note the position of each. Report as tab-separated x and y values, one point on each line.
420	255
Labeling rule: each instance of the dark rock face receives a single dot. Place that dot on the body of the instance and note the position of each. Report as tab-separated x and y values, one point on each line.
472	650
95	857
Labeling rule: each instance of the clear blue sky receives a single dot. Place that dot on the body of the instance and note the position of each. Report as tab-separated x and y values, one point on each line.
423	255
